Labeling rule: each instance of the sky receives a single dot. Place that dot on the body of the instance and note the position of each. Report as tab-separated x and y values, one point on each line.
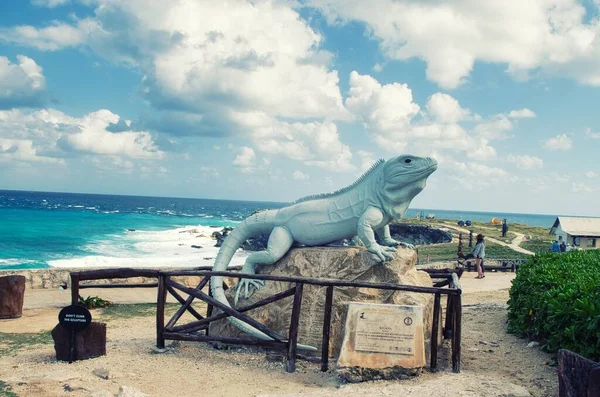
275	100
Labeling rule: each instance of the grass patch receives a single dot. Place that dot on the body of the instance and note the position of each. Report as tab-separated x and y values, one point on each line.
6	390
10	343
136	310
538	246
487	228
501	252
437	252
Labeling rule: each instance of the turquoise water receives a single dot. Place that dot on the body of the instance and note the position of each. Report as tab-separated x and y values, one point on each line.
38	228
41	229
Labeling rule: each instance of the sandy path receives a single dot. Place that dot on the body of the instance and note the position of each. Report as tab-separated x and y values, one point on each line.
513	245
494	363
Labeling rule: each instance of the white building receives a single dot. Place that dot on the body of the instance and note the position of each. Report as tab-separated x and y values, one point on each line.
583	233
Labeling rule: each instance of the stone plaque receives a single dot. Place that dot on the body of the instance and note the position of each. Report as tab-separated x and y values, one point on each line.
391	331
383	336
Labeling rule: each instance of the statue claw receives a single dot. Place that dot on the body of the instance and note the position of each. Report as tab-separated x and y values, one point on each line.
390	242
249	286
383	253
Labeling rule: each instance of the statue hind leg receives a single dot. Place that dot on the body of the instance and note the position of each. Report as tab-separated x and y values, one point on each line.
280	241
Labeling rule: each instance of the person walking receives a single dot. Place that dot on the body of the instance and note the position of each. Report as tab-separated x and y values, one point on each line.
479	254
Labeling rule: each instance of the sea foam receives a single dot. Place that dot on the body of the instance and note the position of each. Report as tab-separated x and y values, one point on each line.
142	248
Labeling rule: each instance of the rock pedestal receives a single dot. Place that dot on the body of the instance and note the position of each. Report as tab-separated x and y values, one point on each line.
89	343
341	263
12	293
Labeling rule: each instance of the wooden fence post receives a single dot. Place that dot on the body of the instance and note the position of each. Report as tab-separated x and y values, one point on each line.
456	335
74	288
448	320
160	311
326	329
435	328
293	336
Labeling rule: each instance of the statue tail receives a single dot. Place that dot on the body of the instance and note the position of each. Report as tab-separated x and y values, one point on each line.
260	222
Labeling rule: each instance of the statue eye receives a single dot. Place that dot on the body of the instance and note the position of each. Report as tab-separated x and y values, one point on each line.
407	161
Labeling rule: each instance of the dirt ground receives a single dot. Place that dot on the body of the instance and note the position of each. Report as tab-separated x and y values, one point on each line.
494	363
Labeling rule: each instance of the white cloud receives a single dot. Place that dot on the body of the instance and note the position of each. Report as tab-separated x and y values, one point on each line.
377	68
367	159
446	109
49	135
495	128
555	36
592	135
112	164
474	176
560	178
393	121
22	150
205	63
526	162
300	176
521	114
93	137
49	3
245	160
583	188
53	37
200	56
209	172
316	144
591	174
21	84
559	142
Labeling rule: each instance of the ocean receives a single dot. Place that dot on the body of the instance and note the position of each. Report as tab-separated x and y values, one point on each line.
43	229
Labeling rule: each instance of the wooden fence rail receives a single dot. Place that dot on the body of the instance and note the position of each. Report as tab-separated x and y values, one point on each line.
191	331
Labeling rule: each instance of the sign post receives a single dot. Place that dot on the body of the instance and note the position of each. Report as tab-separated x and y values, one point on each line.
74	318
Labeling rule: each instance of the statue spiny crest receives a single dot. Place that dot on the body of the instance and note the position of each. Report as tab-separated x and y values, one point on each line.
344	189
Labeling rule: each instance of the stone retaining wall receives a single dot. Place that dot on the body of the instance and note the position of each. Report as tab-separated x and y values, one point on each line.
51	278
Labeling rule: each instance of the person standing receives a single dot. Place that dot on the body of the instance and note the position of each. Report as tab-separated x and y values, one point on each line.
555	246
563	246
479	254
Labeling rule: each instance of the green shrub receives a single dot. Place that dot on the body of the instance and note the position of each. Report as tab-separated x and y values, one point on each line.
93	302
555	299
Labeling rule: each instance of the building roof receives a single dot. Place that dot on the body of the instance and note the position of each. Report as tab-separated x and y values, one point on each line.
578	226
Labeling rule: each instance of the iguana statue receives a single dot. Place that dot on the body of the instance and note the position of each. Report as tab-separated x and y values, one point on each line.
380	195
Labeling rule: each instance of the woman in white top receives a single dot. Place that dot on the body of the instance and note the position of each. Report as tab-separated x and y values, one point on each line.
479	253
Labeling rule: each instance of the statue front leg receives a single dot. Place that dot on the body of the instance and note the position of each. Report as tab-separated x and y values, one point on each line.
280	241
386	238
369	220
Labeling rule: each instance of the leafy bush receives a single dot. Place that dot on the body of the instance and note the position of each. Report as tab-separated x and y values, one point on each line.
555	299
93	302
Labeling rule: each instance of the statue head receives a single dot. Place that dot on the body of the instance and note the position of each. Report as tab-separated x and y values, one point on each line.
404	177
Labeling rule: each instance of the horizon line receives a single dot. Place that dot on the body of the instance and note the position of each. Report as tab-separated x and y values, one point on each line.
287	202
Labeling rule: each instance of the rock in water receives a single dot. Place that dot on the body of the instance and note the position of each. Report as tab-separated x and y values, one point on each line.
341	263
12	293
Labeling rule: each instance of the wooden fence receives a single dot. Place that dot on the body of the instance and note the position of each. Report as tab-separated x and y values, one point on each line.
198	330
498	264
